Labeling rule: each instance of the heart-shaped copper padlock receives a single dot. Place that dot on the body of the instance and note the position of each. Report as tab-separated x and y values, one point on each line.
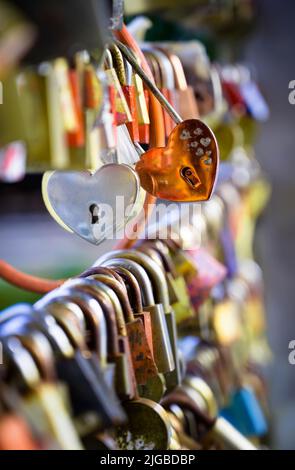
94	206
186	169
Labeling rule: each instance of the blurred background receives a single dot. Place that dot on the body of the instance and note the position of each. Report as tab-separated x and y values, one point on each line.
32	241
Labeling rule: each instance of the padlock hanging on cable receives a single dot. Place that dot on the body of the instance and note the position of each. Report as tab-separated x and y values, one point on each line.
186	169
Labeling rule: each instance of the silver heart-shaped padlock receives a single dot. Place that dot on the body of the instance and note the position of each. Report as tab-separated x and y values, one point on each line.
94	206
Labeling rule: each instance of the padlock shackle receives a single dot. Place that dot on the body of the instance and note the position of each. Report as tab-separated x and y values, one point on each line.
121	293
60	311
36	343
151	253
154	272
65	297
133	285
163	251
47	324
93	317
99	300
15	353
140	274
149	84
98	286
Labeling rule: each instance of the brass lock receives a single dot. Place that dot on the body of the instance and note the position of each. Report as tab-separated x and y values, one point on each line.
179	298
95	331
148	427
143	364
155	387
161	292
161	341
134	295
118	347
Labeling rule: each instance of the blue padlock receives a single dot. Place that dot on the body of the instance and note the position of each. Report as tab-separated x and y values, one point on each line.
245	413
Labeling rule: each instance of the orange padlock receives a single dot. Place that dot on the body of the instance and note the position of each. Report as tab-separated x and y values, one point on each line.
15	434
76	138
186	169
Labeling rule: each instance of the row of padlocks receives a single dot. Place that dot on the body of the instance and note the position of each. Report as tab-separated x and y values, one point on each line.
159	345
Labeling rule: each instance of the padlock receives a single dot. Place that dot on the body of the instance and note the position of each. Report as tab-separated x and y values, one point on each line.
105	124
92	322
155	388
42	403
197	384
161	292
102	270
76	136
59	151
134	294
85	380
122	111
39	347
92	88
80	210
177	417
245	413
185	97
161	342
64	306
149	249
180	302
32	96
206	365
124	385
148	427
126	372
127	279
218	429
141	355
195	405
142	109
190	423
124	72
12	129
184	264
63	84
160	287
186	169
165	82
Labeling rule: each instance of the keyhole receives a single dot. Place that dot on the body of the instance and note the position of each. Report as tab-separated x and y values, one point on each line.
189	175
94	212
